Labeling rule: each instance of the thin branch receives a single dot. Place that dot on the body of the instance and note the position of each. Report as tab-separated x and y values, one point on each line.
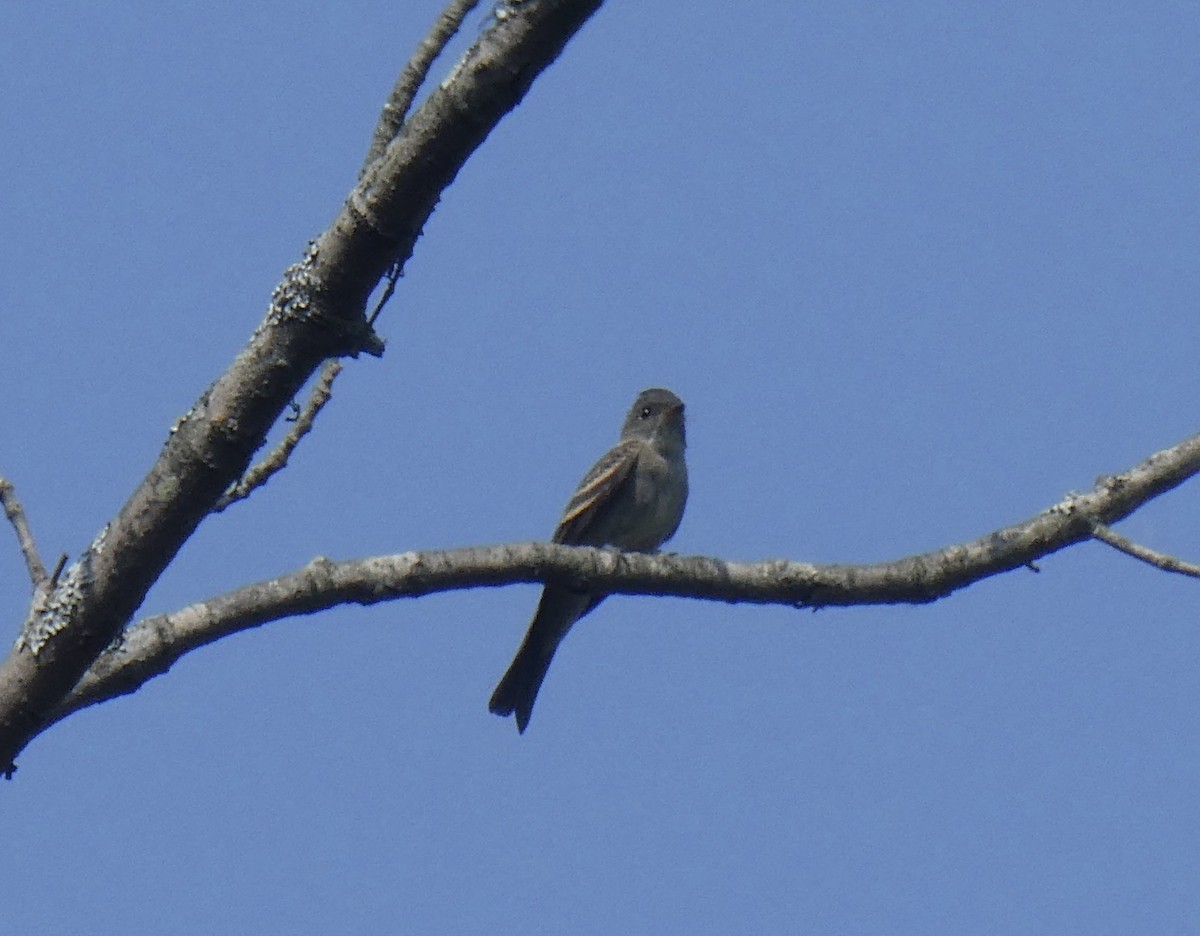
150	647
258	475
415	72
16	516
392	276
1157	559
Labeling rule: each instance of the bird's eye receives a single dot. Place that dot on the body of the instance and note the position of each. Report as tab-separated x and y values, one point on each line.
645	414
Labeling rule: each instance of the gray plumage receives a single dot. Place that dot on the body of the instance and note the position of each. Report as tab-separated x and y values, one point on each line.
633	498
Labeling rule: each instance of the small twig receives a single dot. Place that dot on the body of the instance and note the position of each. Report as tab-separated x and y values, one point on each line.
58	567
401	99
258	475
16	516
1159	560
392	275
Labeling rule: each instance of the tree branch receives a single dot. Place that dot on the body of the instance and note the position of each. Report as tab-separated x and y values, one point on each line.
153	645
448	23
316	313
16	516
1153	557
262	472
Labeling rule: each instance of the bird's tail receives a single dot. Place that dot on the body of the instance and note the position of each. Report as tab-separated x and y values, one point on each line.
558	609
518	688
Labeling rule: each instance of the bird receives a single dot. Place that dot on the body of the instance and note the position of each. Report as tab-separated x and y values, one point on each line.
633	498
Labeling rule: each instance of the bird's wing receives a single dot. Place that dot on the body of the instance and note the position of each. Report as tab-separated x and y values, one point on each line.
597	488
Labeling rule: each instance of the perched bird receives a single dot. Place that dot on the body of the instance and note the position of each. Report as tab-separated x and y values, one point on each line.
633	498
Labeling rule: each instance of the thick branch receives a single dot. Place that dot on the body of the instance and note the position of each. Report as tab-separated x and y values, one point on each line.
153	645
316	313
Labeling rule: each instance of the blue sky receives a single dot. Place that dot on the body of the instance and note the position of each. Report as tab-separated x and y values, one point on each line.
917	270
